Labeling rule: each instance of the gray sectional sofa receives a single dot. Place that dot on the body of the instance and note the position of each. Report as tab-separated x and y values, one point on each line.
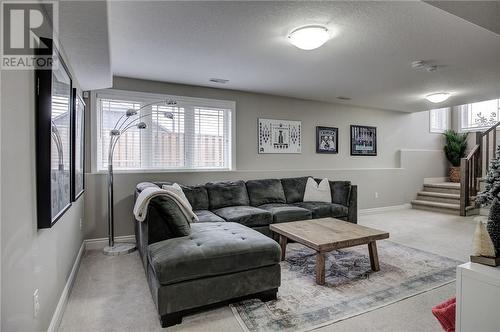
230	254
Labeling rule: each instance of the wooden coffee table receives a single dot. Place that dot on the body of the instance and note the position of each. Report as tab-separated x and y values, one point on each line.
327	234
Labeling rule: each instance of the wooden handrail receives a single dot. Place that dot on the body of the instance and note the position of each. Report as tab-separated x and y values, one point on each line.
475	164
490	129
472	152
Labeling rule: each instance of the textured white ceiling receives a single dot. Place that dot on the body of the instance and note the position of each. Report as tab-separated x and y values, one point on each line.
368	59
84	34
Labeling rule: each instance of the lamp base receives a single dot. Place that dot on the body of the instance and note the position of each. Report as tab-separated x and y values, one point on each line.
121	248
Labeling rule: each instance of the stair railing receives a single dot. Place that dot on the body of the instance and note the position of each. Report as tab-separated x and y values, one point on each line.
475	164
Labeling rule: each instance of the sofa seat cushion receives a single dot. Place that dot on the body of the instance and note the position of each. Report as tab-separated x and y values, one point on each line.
286	212
323	210
207	216
212	249
246	215
339	211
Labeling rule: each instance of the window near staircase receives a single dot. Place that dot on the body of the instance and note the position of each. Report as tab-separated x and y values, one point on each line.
479	115
439	120
198	137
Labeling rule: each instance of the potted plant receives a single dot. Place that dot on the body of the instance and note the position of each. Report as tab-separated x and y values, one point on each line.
455	147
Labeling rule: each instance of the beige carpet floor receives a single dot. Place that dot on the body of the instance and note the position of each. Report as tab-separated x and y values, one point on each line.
111	293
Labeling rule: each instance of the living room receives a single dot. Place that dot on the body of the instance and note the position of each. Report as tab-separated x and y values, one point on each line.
264	158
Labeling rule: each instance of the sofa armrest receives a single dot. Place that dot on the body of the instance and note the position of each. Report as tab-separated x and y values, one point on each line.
353	205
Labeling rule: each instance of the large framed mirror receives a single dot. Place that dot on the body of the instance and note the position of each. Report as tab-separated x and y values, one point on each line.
53	139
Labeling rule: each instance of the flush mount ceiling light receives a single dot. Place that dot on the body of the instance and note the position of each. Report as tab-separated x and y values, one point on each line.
438	97
309	37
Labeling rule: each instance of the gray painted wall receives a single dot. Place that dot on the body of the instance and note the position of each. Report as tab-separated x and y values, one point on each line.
31	258
407	152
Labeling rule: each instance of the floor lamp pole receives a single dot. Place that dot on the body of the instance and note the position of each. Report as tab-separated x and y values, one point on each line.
114	249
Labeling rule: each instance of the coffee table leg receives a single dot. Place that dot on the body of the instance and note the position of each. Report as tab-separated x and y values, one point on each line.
283	241
372	249
320	268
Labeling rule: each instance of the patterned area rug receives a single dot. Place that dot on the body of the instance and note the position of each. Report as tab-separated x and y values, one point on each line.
351	287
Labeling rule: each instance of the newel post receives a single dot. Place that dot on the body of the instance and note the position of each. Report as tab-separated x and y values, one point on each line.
464	185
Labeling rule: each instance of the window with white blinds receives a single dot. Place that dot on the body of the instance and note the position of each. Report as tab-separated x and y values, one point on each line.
439	120
198	136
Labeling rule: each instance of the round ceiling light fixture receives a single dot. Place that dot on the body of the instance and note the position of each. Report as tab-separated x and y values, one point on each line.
309	37
438	97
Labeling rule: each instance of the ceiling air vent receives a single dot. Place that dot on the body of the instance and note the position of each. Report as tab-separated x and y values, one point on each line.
219	80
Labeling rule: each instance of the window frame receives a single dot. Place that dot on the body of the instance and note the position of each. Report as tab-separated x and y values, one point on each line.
148	97
448	120
464	108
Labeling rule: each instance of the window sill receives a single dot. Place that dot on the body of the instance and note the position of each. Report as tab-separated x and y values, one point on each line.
159	171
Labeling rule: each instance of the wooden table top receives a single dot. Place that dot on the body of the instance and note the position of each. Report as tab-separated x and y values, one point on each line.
327	234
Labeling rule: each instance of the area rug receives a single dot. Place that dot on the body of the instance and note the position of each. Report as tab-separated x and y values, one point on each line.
351	287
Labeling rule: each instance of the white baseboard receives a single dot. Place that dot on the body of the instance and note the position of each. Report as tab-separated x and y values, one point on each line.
97	244
364	212
63	300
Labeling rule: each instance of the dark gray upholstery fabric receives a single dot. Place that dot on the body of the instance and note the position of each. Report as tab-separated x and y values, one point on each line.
340	192
172	215
201	292
246	215
265	191
208	216
211	249
222	194
286	212
318	209
294	189
197	197
338	211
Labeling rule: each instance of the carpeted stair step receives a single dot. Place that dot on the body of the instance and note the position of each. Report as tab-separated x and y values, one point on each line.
436	206
438	197
445	188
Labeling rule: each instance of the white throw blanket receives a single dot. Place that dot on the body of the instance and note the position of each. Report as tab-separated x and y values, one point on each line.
145	196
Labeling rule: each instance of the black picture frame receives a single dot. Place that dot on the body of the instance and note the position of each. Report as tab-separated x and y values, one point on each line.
53	132
78	146
363	140
327	139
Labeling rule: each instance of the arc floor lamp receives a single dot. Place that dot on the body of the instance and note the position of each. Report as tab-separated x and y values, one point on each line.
131	119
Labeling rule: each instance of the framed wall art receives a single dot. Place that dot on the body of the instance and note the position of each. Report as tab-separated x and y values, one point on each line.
363	141
78	155
279	136
327	140
53	139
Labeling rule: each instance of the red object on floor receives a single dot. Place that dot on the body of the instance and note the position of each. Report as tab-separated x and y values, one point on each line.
445	314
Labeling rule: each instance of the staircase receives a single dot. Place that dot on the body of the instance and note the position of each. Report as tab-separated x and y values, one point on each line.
441	197
459	198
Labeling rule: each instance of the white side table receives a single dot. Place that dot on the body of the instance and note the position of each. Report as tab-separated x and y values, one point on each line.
478	298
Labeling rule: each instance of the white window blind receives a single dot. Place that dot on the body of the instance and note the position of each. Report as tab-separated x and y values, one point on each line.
198	136
479	115
439	120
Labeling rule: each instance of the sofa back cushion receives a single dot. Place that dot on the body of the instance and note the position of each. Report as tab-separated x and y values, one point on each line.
294	189
197	196
265	191
340	190
223	194
175	223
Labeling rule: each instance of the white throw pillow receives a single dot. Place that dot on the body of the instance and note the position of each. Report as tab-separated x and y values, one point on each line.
317	192
176	189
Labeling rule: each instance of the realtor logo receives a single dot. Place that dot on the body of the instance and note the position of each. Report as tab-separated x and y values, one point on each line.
23	26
